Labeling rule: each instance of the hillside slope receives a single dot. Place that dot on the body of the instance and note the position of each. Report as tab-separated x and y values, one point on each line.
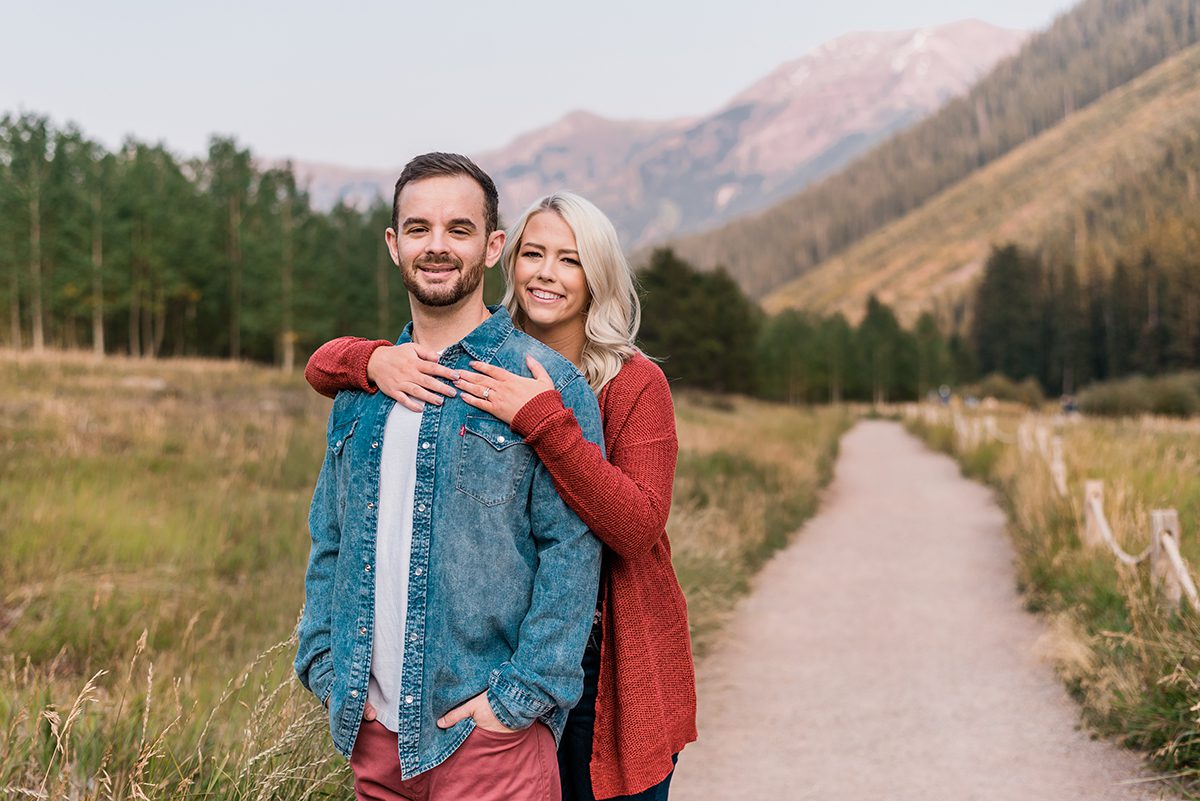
1034	195
1095	48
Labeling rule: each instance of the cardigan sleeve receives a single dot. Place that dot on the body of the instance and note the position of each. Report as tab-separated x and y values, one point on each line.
342	364
625	501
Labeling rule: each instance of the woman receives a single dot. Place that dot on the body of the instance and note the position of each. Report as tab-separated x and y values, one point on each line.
570	286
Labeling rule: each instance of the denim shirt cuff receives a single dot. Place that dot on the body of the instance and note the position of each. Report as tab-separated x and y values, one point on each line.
320	677
513	705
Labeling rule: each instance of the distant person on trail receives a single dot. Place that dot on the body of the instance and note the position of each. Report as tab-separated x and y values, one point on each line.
570	286
450	590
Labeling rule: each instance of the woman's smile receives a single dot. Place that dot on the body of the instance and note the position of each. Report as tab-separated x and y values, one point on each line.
552	287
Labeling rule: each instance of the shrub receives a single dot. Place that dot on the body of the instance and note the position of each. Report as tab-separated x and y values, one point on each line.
1003	388
1175	395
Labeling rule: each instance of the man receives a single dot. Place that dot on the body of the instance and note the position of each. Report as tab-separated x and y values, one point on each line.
447	579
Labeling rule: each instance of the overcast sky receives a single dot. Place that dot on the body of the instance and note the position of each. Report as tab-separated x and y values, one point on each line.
371	83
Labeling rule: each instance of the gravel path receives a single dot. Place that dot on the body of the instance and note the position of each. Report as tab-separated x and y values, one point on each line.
885	656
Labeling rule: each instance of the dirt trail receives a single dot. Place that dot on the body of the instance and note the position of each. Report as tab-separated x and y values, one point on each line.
885	656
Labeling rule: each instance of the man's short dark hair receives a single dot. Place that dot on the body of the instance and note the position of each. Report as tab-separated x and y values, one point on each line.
431	165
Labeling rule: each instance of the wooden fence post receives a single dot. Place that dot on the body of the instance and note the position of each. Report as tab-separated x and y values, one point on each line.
1093	499
1042	434
1161	572
1058	469
1166	565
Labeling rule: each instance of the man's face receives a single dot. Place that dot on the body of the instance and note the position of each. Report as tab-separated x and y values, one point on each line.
441	247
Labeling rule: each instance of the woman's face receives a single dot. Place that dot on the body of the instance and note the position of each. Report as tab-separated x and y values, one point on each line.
550	285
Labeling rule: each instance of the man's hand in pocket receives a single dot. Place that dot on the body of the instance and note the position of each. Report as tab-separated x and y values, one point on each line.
479	709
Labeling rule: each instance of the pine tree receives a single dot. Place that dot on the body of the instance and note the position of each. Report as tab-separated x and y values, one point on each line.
230	184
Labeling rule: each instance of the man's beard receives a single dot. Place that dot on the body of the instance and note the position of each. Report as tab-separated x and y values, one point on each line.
446	294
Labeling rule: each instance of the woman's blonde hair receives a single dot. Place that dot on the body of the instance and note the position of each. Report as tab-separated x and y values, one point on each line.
614	313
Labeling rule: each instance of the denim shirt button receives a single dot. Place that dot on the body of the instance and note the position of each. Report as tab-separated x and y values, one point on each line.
420	507
500	440
413	637
370	505
417	571
424	446
375	444
362	630
354	693
408	699
366	568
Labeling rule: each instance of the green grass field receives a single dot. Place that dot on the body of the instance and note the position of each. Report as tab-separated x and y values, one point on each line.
153	542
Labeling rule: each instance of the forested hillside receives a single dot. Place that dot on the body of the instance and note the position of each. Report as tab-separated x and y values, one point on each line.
1086	53
139	252
1109	182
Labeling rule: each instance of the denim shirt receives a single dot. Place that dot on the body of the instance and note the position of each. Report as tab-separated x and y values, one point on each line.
503	575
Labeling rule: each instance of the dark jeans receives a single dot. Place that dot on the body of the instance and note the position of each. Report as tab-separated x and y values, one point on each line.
575	749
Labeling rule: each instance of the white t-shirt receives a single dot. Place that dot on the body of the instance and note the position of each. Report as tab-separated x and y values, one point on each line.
393	551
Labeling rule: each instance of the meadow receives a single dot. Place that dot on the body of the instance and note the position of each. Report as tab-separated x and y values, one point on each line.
153	541
1129	658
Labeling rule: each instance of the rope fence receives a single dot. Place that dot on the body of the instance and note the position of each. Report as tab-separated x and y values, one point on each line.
1169	571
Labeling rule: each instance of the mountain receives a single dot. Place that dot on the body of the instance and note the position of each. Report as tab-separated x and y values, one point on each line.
1087	192
586	153
1096	47
804	120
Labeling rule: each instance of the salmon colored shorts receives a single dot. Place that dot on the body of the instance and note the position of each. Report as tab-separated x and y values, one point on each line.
488	766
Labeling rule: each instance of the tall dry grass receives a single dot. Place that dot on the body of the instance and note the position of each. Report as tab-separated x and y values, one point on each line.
748	475
1131	660
152	548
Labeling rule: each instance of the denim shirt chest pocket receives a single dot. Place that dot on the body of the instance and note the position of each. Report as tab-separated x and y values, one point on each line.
492	460
339	441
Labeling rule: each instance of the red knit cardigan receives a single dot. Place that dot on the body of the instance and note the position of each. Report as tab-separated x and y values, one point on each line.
646	698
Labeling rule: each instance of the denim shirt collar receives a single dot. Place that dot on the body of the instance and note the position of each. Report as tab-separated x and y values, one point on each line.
484	341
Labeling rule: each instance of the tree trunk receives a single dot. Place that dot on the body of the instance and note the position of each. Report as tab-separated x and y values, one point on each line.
178	319
148	319
160	320
383	263
14	309
879	393
287	335
835	378
235	278
135	296
191	318
97	277
35	269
